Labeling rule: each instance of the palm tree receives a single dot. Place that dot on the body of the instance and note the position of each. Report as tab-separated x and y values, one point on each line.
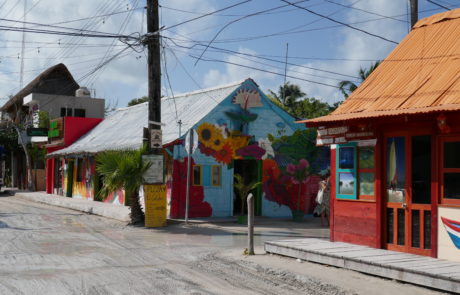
123	170
288	94
347	87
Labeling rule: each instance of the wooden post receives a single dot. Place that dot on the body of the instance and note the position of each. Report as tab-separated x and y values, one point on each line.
250	224
154	68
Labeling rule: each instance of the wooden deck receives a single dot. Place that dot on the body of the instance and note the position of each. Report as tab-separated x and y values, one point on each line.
415	269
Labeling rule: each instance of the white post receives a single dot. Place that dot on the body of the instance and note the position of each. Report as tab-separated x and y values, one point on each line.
250	224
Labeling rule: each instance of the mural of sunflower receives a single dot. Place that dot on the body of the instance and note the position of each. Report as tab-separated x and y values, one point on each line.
210	136
238	141
225	154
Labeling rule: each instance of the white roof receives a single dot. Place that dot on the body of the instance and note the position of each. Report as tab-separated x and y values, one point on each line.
123	129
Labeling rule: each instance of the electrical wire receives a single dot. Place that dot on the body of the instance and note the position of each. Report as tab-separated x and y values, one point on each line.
437	4
339	22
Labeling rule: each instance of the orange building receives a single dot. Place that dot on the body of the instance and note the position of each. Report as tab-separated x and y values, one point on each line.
395	147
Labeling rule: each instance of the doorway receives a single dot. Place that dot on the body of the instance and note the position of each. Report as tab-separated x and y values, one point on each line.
407	193
250	170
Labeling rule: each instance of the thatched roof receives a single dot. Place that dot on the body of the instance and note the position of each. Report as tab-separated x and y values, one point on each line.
55	80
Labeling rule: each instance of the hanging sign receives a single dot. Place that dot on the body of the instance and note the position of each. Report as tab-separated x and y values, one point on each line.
155	205
343	134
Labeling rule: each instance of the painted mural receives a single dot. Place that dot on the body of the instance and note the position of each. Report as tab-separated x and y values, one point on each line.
449	233
246	126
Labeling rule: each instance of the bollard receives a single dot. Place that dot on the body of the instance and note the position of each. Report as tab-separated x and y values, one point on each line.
250	224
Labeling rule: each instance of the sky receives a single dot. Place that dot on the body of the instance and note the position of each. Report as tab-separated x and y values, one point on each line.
249	40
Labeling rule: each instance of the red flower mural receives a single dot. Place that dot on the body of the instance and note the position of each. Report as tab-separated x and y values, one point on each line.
225	154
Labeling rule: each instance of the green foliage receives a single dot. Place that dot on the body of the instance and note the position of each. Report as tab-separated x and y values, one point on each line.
244	189
37	155
136	101
9	138
120	169
294	101
347	87
43	119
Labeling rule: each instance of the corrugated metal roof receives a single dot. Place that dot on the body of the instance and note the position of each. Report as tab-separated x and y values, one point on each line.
124	128
421	75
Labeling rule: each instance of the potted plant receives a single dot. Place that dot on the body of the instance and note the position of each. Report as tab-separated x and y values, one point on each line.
243	191
299	175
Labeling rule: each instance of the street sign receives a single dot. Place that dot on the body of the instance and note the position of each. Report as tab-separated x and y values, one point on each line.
193	142
155	139
37	131
155	172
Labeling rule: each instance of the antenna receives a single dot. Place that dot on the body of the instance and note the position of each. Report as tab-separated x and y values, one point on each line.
23	45
285	72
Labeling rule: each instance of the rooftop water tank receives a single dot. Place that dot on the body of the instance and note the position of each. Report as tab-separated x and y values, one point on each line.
82	92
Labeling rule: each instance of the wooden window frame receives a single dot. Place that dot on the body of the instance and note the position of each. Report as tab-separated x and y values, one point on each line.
442	170
365	170
220	175
201	175
353	171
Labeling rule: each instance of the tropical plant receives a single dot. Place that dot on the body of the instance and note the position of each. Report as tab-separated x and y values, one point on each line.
347	87
123	170
288	94
244	189
299	174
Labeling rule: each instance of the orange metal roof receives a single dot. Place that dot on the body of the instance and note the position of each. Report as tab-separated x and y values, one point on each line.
421	75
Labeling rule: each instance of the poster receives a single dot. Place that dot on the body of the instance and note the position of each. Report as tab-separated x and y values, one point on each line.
155	172
155	205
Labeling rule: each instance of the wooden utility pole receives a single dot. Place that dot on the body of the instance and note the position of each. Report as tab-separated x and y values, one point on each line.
154	69
413	12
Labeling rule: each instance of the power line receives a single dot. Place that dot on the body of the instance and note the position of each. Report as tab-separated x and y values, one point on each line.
236	20
261	70
437	4
208	14
339	22
363	10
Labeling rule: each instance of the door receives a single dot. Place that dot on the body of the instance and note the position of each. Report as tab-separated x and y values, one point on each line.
250	170
407	193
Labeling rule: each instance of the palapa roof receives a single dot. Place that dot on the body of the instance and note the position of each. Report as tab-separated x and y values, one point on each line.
421	75
123	130
55	80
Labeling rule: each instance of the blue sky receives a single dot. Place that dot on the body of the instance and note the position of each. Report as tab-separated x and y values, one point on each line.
319	49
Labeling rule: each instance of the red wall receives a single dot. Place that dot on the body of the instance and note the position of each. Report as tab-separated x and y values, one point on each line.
74	128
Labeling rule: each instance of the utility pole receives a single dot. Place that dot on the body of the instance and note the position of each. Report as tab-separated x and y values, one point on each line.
285	72
23	45
413	12
154	69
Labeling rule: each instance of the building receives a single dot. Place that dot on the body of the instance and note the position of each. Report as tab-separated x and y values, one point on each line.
395	142
238	131
71	108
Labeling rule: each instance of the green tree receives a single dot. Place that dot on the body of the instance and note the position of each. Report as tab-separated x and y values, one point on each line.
288	94
297	104
347	87
139	100
123	169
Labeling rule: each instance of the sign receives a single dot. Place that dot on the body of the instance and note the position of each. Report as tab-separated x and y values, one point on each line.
56	128
343	134
155	172
37	131
194	140
155	205
155	139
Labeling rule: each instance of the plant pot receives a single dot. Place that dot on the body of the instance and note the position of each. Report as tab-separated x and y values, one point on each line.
242	219
297	215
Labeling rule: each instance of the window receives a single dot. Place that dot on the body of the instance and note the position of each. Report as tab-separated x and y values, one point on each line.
355	172
216	175
346	171
80	170
79	113
450	172
66	112
197	175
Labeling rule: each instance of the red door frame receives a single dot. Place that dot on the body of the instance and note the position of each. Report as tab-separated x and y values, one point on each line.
407	134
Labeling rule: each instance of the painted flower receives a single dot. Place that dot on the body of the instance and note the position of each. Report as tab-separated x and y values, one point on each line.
205	150
238	141
253	151
303	164
270	170
290	168
225	154
210	136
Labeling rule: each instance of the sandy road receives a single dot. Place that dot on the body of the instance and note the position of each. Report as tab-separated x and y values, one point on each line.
50	250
